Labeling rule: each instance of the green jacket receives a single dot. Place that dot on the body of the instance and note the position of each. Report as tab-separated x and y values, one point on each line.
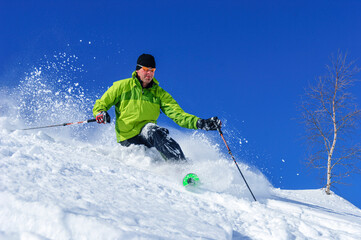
136	106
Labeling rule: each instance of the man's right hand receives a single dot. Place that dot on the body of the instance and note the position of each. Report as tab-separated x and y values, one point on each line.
103	117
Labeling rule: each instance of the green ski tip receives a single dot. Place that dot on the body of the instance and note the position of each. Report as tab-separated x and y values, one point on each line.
191	179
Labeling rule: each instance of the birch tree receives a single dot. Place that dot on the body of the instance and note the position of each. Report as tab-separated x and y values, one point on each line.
330	116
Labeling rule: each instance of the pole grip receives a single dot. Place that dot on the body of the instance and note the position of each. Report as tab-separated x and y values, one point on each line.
219	130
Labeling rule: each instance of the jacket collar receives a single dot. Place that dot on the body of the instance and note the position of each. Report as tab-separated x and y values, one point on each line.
137	80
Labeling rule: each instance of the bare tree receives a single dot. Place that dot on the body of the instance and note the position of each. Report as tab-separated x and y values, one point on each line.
330	116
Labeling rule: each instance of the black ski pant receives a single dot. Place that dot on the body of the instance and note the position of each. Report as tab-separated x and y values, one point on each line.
152	135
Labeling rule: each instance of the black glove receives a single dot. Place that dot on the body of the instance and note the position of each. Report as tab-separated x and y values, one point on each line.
103	117
212	123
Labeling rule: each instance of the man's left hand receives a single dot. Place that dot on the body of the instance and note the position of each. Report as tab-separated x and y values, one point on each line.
212	123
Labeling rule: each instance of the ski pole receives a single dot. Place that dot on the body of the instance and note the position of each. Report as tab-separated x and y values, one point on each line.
63	124
234	160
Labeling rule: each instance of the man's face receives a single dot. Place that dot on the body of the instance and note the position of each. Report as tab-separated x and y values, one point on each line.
146	75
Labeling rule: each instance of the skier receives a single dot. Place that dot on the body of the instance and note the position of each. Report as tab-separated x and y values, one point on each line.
138	101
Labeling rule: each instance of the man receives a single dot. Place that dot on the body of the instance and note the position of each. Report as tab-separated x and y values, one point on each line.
138	101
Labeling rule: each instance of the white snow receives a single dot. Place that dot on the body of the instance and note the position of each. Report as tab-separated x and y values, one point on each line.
76	182
53	186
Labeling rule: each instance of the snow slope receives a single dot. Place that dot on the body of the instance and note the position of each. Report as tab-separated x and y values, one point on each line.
56	187
76	182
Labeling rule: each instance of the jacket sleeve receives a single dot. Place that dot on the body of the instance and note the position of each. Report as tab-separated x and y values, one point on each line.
172	109
109	98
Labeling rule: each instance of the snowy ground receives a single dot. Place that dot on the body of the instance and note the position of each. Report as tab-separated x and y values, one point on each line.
53	186
76	182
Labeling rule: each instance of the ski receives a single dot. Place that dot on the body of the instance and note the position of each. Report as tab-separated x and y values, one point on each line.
191	179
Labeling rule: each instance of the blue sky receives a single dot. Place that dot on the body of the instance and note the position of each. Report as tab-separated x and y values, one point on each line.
247	62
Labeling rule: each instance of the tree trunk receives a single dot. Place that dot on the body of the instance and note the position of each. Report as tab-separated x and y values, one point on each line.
329	164
329	158
328	185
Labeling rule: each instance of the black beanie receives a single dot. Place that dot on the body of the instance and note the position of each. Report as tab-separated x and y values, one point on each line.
146	60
